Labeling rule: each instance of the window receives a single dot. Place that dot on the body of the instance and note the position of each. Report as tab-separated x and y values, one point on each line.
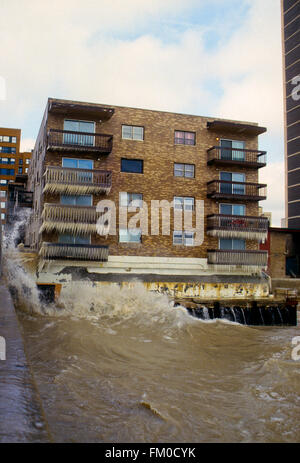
3	205
185	203
11	160
2	194
183	238
131	235
78	138
3	182
131	132
2	216
184	170
132	165
78	200
66	238
20	170
78	163
232	209
27	161
7	171
232	150
20	162
26	170
7	150
232	188
184	138
232	244
131	199
7	139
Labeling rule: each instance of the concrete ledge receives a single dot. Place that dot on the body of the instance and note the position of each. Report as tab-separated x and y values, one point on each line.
21	417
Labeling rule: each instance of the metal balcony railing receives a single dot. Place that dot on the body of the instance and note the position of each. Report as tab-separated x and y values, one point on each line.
237	257
218	189
68	140
230	226
235	156
88	252
76	181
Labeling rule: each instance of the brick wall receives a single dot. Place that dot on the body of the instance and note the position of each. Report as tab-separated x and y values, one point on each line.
157	182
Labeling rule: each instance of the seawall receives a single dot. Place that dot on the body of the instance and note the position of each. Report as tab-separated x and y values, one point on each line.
21	415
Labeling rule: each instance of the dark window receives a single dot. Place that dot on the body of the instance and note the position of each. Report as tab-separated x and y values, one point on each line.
7	149
184	138
20	162
7	171
132	165
232	244
20	170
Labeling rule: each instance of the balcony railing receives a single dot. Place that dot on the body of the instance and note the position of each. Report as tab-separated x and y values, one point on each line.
223	189
235	156
237	257
237	226
64	180
88	252
67	140
76	220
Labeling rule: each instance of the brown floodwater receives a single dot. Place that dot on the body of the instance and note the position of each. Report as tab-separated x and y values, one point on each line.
124	365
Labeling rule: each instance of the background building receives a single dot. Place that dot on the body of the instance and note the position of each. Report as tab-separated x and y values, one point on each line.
291	77
12	163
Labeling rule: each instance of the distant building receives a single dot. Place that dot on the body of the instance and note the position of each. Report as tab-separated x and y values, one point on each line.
12	163
291	76
263	213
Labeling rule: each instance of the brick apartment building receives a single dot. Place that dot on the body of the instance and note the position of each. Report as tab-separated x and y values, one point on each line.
12	163
88	152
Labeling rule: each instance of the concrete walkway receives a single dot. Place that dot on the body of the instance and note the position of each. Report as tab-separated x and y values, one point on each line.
21	417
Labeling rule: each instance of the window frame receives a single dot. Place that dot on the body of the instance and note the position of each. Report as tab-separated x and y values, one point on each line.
232	247
232	205
74	238
132	132
129	159
184	170
128	202
184	198
77	159
184	238
184	139
128	234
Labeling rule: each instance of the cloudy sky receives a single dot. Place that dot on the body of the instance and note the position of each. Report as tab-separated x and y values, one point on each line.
218	58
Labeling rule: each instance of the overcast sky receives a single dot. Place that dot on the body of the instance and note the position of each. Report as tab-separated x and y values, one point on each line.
218	58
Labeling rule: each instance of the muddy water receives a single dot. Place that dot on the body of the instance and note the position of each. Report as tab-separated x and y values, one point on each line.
126	366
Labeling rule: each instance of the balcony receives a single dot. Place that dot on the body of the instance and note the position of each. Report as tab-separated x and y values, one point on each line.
80	142
66	180
87	252
252	159
223	189
240	257
237	226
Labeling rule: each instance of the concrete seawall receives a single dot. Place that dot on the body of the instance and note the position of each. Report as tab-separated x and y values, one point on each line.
21	415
